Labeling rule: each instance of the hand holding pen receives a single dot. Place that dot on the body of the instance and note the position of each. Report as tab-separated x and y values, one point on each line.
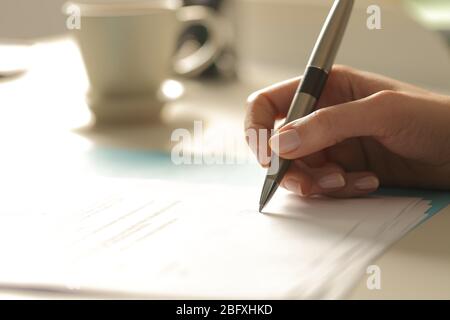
367	130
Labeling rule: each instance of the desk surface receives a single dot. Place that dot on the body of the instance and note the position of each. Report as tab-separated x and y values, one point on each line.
45	113
417	266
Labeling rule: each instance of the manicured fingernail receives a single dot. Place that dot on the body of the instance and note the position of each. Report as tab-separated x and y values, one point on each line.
287	141
292	185
367	183
332	181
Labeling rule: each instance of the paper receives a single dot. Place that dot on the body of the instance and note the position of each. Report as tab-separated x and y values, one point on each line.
158	239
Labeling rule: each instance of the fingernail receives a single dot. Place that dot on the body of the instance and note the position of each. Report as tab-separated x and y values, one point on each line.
292	185
332	181
287	141
367	183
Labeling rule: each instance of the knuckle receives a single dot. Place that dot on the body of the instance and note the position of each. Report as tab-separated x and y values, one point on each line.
252	97
260	111
257	98
253	101
385	96
389	112
323	125
259	103
322	120
340	68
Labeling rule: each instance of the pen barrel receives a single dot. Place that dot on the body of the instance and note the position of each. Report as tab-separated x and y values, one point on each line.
311	86
278	168
331	35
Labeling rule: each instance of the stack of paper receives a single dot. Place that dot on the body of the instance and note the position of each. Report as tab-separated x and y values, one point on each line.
164	240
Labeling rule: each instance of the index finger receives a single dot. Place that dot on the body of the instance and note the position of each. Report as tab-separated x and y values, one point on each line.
269	104
263	108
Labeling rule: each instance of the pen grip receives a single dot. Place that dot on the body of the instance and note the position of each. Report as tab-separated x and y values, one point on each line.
313	82
307	94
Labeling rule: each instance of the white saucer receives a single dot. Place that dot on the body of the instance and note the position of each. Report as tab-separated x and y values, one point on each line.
125	108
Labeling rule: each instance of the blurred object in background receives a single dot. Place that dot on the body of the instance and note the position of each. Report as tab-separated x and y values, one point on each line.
195	36
128	51
434	14
31	19
273	39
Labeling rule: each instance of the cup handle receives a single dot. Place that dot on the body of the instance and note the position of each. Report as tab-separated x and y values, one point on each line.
202	58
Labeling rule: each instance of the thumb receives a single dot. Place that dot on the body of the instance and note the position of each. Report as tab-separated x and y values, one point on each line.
370	116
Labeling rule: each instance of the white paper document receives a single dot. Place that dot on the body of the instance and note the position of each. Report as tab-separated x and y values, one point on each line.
156	239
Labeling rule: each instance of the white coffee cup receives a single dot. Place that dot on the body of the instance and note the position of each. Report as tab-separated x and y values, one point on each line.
128	50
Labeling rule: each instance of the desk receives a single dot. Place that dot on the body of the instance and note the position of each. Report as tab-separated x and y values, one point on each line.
44	130
417	266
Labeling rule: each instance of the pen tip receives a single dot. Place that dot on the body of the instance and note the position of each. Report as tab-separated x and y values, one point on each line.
269	188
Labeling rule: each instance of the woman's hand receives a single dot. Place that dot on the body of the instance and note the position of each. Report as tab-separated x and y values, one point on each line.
368	130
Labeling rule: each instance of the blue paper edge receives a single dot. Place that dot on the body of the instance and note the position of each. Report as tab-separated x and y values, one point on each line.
438	199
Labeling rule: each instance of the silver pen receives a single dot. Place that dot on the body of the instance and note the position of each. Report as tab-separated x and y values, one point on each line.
311	86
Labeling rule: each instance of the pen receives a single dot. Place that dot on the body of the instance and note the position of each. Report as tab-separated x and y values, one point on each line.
311	86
